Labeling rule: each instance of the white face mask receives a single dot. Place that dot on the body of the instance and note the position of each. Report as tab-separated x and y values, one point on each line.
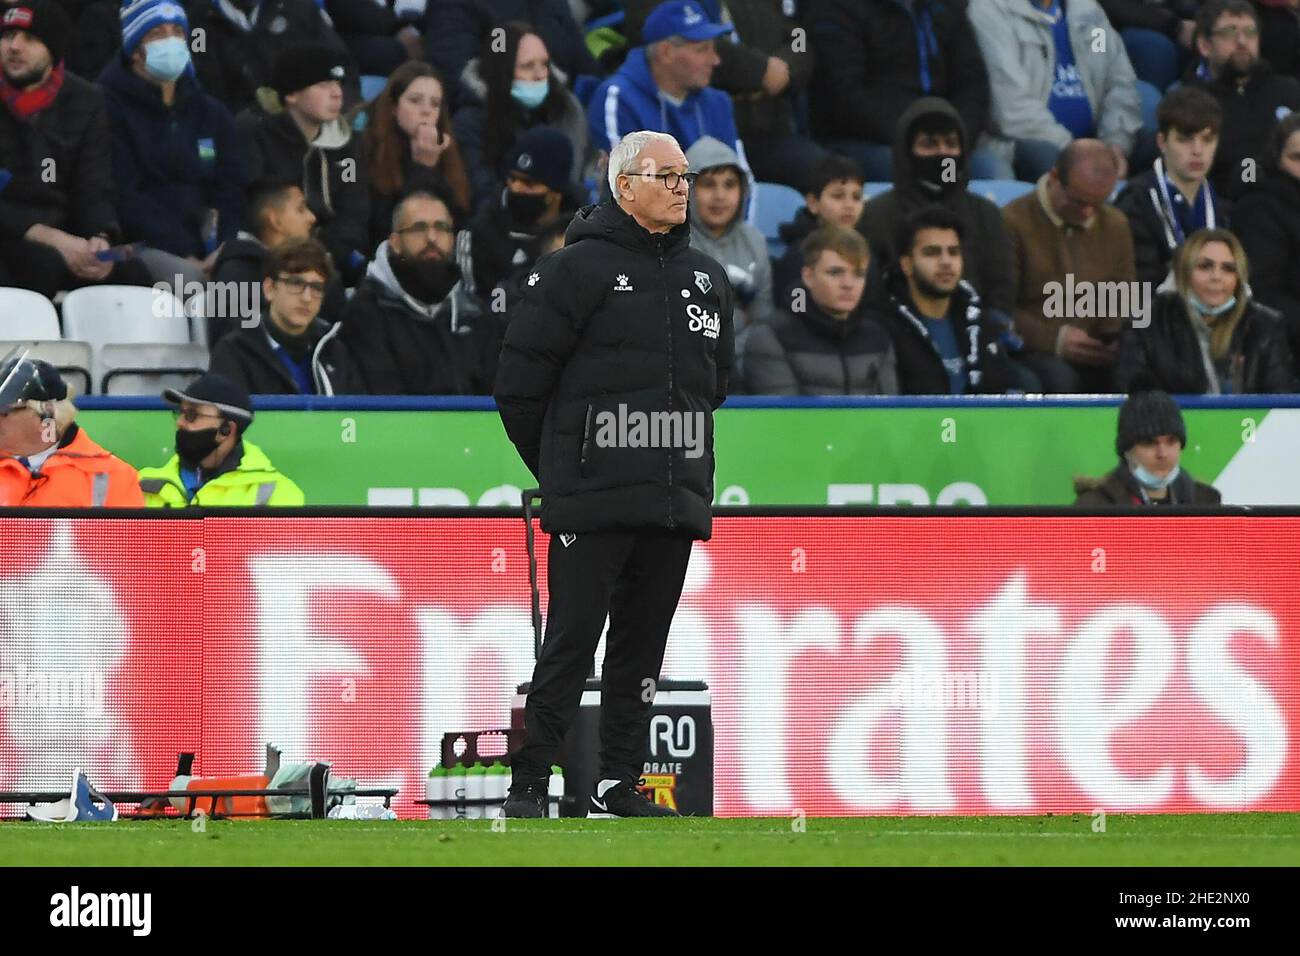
1149	481
1216	311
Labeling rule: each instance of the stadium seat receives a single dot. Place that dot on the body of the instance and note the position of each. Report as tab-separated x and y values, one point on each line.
372	86
27	315
870	190
999	191
146	369
773	204
123	314
72	359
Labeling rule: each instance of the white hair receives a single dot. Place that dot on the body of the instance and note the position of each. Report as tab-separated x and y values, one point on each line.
623	156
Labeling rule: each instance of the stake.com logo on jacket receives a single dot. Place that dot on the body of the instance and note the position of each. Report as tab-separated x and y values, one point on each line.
619	321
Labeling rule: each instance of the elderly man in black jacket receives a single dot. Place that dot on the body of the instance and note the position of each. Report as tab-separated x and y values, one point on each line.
612	367
57	213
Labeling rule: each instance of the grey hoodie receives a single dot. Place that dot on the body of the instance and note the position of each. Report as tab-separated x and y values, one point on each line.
381	271
741	249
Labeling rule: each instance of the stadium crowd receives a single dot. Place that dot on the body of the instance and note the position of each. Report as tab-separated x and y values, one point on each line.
909	196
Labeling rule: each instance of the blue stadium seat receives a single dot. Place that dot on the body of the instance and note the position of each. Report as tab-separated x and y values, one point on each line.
372	86
771	205
999	191
875	189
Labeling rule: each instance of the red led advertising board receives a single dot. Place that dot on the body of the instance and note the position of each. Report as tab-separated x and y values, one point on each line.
857	664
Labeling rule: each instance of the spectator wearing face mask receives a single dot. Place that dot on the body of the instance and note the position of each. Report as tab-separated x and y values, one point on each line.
507	91
503	238
1150	442
931	152
411	326
176	155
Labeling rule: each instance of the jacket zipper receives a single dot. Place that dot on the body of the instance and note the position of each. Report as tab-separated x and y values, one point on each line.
586	443
668	317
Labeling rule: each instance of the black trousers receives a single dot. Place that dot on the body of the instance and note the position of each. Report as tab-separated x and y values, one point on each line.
636	578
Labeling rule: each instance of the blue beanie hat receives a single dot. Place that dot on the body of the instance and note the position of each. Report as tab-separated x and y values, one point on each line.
141	16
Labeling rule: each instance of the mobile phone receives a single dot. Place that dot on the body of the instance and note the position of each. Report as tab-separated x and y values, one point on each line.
118	253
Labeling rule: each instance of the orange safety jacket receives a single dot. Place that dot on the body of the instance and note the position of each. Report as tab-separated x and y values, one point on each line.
78	475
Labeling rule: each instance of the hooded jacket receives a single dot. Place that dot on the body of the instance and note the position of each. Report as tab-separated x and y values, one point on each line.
471	129
812	353
1267	221
1169	351
1119	487
407	347
986	248
252	481
1155	230
763	29
741	249
249	358
240	48
80	474
630	100
875	57
920	366
619	323
172	163
72	137
330	170
1250	111
1016	40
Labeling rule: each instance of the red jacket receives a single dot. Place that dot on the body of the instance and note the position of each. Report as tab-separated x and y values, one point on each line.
78	475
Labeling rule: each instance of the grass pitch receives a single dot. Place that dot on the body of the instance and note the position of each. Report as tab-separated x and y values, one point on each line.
1240	839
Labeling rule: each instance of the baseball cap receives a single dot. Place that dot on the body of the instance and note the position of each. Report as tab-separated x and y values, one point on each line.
680	18
215	389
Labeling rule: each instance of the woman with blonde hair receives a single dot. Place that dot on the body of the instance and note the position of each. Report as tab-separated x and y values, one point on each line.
409	145
1205	334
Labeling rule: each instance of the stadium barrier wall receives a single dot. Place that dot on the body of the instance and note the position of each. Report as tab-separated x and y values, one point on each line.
861	662
995	451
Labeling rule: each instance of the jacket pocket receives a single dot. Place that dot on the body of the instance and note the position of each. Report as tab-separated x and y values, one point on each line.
584	455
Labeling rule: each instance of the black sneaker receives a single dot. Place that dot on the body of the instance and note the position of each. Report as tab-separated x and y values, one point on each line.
614	799
527	801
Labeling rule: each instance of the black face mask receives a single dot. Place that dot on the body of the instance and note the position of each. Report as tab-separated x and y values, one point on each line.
428	281
194	446
524	208
930	172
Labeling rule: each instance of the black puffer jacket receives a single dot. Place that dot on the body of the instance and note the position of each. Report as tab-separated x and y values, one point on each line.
812	353
72	138
1119	487
986	247
247	357
331	171
618	318
920	367
1259	359
1250	112
869	67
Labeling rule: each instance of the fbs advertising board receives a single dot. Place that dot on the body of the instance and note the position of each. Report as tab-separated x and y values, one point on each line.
856	664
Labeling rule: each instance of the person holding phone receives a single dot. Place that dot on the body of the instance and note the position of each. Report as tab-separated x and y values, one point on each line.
409	146
57	212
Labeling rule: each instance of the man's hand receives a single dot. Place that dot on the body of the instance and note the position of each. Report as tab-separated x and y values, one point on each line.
1079	348
90	267
1120	160
428	144
777	76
